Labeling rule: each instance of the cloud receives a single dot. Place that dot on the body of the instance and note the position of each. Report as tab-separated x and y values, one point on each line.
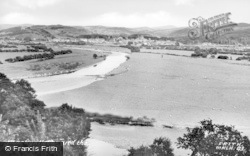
33	4
19	18
154	19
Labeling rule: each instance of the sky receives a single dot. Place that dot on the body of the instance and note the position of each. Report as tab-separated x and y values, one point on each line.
119	13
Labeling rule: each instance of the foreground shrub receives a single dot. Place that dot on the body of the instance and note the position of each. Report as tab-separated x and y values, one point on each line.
141	151
160	147
214	140
23	117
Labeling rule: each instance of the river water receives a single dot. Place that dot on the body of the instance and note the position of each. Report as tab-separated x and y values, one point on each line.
176	91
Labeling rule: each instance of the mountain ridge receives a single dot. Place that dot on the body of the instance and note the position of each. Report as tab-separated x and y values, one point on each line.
63	31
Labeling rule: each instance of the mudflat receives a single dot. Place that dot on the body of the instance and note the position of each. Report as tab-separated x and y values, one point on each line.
177	91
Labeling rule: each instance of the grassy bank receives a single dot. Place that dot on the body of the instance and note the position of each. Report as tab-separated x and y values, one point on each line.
114	120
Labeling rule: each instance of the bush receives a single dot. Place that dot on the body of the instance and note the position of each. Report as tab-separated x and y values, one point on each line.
214	139
141	151
25	118
35	67
95	56
213	51
203	55
242	58
160	147
134	49
69	66
196	55
197	50
223	57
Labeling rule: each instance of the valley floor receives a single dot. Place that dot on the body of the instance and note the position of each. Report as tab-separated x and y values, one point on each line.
176	91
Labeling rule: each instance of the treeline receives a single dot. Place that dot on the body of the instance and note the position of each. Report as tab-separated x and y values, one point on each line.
38	48
133	36
44	56
146	36
243	58
73	43
114	120
132	48
94	36
170	47
192	48
24	118
206	139
30	48
7	46
198	52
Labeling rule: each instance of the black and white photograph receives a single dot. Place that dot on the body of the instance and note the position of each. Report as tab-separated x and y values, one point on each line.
124	78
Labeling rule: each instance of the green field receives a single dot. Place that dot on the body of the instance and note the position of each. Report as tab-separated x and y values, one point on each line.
20	69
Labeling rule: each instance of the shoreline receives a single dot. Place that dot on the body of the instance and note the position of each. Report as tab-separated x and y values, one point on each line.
96	147
79	78
114	141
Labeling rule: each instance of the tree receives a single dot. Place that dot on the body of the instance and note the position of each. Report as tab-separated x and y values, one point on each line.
160	147
27	39
23	117
197	50
25	85
134	49
214	140
141	151
95	56
177	44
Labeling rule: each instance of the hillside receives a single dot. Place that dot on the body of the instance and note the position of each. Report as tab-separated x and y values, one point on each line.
44	32
241	32
108	30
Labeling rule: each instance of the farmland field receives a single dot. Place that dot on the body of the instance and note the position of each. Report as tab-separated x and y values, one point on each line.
20	69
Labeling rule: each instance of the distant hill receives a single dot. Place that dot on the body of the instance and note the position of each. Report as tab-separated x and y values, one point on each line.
43	32
243	25
61	31
241	31
6	26
108	30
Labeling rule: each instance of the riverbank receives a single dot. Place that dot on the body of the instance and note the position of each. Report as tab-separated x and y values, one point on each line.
100	148
80	78
176	91
35	68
